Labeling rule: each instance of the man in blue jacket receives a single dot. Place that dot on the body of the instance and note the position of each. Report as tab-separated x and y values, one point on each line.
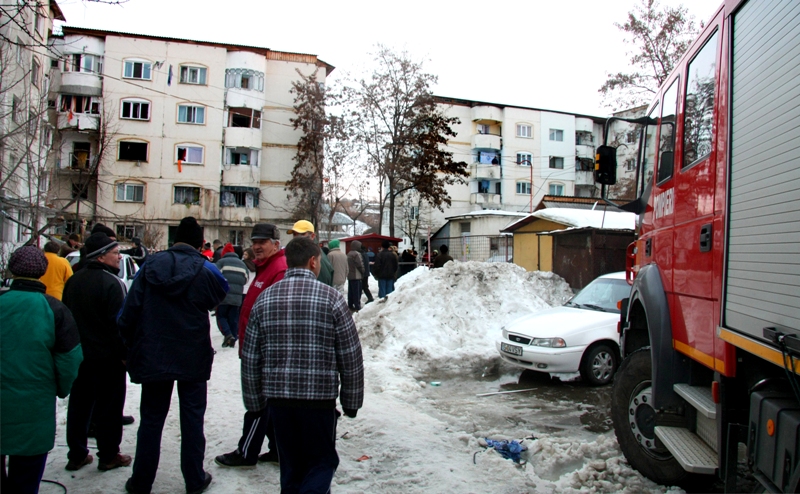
165	325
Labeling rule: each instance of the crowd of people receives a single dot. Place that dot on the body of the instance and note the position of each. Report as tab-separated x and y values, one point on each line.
78	330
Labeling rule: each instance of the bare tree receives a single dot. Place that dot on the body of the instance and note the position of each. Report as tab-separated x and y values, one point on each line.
658	37
402	132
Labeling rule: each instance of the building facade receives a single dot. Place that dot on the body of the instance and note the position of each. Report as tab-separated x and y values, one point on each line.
516	155
25	132
153	129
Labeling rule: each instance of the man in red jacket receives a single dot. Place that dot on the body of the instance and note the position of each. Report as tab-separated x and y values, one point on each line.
270	264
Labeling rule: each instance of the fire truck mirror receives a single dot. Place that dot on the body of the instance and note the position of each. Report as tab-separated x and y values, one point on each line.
605	165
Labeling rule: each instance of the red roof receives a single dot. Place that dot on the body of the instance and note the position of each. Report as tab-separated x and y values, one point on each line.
372	236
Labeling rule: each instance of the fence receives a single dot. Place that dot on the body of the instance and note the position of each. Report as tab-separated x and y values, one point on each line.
485	248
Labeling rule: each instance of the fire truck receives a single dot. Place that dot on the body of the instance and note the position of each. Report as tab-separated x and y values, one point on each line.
710	335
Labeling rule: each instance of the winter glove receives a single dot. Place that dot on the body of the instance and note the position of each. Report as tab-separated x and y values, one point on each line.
350	412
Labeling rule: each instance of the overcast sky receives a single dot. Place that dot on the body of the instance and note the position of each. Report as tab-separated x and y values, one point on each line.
544	54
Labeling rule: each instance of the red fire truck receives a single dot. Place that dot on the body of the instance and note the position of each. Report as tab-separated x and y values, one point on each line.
710	334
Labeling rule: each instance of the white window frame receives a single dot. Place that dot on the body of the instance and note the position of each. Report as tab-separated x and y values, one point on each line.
483	129
35	72
192	114
525	130
76	62
525	159
253	157
552	185
185	75
188	146
554	161
557	135
124	187
147	69
129	230
525	186
133	102
175	194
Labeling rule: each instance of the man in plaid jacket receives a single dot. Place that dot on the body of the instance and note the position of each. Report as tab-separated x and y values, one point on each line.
300	342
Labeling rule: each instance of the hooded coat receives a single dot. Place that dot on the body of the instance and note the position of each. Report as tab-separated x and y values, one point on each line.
339	261
164	320
355	264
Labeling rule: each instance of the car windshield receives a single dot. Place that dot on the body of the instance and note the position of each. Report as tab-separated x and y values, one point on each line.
602	294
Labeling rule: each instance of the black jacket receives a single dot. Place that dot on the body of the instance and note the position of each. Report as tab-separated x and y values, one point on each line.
365	260
94	295
164	320
385	267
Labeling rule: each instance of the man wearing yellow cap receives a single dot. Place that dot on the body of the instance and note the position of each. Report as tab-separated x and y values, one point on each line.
304	228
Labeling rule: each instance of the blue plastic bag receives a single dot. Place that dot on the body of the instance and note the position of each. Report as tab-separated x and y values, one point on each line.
510	450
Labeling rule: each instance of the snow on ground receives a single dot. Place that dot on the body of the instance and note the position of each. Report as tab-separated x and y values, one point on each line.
437	321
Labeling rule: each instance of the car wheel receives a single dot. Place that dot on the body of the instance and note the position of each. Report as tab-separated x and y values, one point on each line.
634	421
598	365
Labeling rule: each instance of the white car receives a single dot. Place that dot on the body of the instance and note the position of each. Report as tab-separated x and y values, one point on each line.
127	267
580	336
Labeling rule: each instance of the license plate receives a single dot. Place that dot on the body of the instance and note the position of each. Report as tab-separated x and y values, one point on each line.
512	349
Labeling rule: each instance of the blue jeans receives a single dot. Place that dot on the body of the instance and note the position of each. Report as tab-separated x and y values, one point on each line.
156	397
306	440
228	320
24	473
385	287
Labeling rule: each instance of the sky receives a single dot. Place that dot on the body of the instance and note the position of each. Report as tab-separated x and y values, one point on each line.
549	55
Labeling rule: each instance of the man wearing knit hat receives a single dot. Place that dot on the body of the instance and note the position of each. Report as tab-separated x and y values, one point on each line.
305	228
40	350
164	323
94	295
270	262
97	228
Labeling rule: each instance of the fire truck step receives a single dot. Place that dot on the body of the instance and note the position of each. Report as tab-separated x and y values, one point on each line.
691	452
699	397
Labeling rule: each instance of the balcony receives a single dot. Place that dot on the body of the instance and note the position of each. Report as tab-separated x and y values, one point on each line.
81	83
77	162
478	171
584	177
487	114
243	137
78	121
485	199
486	141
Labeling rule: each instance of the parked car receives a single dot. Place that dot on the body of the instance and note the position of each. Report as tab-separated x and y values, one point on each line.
581	336
127	267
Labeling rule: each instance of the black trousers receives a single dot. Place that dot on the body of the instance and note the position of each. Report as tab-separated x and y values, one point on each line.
98	393
365	289
354	294
256	426
24	473
156	397
306	447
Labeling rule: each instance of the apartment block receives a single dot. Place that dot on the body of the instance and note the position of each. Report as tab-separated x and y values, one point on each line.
152	129
25	133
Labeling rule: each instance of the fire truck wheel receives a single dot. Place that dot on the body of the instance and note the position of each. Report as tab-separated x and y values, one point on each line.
634	421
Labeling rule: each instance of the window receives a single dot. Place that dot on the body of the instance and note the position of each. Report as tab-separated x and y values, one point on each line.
244	117
137	69
33	123
129	231
524	130
191	114
556	162
130	192
630	165
584	164
190	154
132	151
240	197
81	62
81	152
556	135
699	111
413	212
236	237
556	190
244	79
35	72
483	129
79	104
16	110
583	137
22	219
524	188
20	51
465	226
193	75
187	195
667	133
524	159
488	158
630	137
38	21
242	156
135	109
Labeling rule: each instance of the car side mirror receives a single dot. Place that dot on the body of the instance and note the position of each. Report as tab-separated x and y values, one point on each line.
605	165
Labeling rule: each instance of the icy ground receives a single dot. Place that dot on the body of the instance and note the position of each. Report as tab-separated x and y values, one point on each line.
438	326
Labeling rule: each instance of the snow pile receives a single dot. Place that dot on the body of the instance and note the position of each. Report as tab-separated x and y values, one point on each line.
448	319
